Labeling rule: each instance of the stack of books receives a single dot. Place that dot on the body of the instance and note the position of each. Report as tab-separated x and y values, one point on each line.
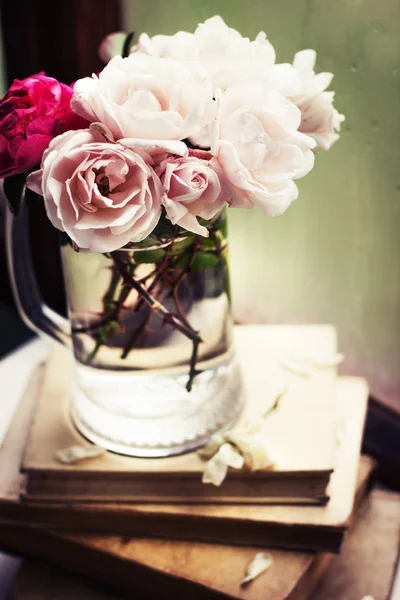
153	526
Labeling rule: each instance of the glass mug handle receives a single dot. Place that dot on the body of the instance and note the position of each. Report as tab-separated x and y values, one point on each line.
33	310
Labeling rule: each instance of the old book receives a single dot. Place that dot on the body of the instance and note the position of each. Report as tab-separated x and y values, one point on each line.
303	447
300	527
369	557
164	568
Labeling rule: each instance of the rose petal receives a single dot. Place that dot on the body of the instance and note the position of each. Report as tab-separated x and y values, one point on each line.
75	169
215	471
74	454
259	564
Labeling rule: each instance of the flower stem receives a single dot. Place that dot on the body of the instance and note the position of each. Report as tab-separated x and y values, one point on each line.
112	309
136	333
170	318
192	369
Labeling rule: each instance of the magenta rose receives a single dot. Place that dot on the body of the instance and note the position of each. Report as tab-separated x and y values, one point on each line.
32	113
102	194
192	189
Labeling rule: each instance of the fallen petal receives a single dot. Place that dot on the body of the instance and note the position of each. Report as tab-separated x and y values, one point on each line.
211	447
74	454
298	367
327	361
260	563
230	456
215	471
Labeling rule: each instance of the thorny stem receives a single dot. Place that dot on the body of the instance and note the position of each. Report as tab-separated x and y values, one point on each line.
175	292
151	287
159	273
192	369
168	317
136	334
179	308
150	298
111	316
98	344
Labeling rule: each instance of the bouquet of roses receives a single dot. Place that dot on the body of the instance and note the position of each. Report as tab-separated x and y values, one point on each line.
181	127
148	153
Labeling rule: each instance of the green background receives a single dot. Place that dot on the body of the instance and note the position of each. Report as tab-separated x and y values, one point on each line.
334	256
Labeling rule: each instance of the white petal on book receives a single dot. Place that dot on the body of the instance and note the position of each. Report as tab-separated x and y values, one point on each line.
244	446
303	365
260	563
252	445
331	360
232	457
215	471
74	454
296	366
217	467
211	447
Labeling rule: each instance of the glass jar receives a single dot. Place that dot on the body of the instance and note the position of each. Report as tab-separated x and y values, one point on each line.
151	331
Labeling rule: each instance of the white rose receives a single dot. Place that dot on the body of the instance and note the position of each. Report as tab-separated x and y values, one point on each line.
261	150
181	46
147	98
321	120
311	83
307	90
226	56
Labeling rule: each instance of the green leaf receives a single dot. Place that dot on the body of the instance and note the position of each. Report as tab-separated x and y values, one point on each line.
180	245
13	189
184	261
146	243
110	329
208	243
223	227
148	256
203	260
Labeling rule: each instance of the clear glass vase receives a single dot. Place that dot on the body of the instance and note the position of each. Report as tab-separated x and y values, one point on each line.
151	331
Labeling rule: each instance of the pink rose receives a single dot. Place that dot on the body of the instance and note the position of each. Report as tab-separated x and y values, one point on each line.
101	194
31	113
192	189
